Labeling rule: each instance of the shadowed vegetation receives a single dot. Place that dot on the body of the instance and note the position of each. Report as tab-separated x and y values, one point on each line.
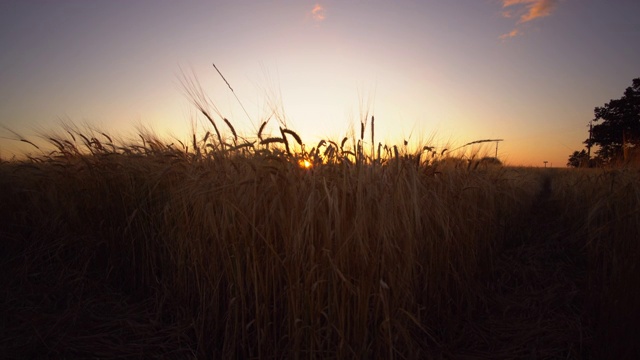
227	248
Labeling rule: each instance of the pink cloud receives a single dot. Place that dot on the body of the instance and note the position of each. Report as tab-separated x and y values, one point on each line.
526	11
538	9
507	3
512	33
507	14
318	12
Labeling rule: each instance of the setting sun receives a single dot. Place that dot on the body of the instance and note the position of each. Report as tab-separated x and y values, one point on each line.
305	164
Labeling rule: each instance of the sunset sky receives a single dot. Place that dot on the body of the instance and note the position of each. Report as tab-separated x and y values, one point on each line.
448	72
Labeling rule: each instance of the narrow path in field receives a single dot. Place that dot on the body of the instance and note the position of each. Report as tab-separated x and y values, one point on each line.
535	302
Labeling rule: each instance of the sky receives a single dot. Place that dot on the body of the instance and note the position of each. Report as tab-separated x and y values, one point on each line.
439	73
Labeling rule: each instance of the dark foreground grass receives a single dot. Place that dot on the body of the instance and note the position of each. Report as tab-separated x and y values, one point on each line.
236	251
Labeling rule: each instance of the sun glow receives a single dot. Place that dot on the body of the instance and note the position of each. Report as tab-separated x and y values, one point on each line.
305	164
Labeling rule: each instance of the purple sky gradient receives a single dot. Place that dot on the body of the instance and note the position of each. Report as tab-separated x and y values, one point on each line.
443	71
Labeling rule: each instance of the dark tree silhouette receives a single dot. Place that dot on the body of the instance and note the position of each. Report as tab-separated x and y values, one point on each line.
578	159
618	127
490	160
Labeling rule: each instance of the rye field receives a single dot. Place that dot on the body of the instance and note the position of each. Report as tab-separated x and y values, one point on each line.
264	248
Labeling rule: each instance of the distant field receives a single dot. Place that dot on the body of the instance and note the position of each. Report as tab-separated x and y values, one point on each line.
241	249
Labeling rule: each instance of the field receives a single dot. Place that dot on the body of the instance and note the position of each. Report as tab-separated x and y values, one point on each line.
228	248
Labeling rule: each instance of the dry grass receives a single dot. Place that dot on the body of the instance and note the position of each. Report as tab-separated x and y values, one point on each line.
232	250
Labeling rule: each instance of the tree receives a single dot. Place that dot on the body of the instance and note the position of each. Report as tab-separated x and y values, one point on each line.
578	159
619	127
490	160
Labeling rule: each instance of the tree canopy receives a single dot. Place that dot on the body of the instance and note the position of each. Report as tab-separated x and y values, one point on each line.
617	125
578	159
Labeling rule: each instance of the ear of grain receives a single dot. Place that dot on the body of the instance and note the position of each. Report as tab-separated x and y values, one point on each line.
106	136
292	133
343	142
329	151
373	138
85	140
261	128
271	140
241	146
233	131
213	123
30	143
57	143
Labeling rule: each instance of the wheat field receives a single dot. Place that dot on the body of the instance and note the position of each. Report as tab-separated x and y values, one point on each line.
228	247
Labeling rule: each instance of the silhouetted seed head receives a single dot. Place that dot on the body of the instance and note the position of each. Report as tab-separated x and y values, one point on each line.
292	133
260	130
233	131
343	142
271	140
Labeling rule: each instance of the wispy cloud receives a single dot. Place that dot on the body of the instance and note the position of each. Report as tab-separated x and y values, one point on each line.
318	13
526	11
513	33
538	9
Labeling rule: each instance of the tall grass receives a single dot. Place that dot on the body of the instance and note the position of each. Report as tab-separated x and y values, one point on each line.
230	249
